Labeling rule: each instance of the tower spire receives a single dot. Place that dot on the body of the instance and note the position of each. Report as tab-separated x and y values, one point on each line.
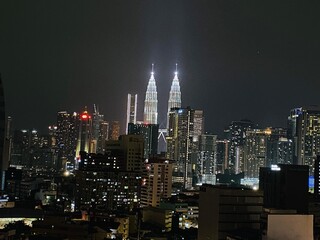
174	95
151	101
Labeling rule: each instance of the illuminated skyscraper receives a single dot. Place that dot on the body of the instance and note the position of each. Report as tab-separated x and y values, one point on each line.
304	128
151	102
131	109
174	95
236	135
182	144
85	133
255	151
114	130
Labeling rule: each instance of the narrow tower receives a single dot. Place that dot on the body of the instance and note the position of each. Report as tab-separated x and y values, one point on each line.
174	95
131	109
151	102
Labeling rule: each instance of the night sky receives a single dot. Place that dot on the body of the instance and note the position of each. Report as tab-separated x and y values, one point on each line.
237	59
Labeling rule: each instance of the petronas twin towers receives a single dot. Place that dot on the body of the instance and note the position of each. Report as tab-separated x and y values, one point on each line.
151	100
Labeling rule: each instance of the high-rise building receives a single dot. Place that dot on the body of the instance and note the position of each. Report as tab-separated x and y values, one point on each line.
182	144
103	136
174	95
198	125
97	119
65	137
156	181
132	104
21	148
115	130
255	151
285	187
3	162
222	155
130	149
236	135
85	134
304	128
151	102
102	181
207	157
279	147
149	132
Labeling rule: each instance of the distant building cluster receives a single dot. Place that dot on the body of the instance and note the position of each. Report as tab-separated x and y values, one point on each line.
86	178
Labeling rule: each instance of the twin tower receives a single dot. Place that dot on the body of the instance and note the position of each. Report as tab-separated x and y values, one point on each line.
150	114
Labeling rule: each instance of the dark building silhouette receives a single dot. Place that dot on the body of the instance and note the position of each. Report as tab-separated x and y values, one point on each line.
3	162
285	187
150	136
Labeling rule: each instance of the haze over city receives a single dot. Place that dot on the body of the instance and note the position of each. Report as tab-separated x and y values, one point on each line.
235	59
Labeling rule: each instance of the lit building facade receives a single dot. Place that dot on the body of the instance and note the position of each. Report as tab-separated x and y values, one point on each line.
236	135
174	95
182	145
151	102
207	159
255	151
222	155
156	181
130	149
114	130
132	104
85	133
304	128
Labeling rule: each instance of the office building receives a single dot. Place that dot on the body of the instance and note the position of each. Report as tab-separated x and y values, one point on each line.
304	130
132	104
114	130
64	137
224	209
97	120
182	144
236	135
279	147
103	136
285	187
255	151
151	102
130	148
207	159
222	155
149	132
85	134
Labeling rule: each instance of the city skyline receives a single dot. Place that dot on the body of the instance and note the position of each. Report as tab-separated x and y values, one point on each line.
257	60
